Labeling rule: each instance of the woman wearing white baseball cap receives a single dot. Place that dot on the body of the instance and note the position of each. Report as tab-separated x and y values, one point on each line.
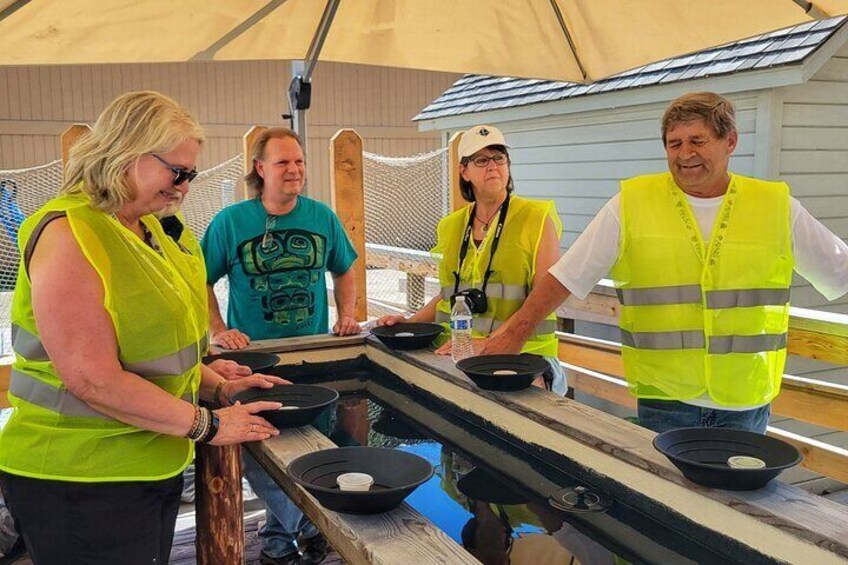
493	250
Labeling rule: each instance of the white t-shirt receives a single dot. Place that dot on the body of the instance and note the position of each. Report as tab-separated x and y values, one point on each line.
820	256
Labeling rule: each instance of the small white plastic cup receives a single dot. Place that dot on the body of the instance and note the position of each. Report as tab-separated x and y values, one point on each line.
745	462
355	481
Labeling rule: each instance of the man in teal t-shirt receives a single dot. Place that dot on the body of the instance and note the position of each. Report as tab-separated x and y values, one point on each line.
275	250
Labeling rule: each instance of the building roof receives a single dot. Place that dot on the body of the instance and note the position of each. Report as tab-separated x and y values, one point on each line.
790	46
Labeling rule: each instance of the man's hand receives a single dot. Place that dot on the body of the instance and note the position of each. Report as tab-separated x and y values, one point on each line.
504	342
230	339
230	370
346	325
478	343
390	320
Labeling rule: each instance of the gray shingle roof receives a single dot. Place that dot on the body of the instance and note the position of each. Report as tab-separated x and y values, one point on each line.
477	93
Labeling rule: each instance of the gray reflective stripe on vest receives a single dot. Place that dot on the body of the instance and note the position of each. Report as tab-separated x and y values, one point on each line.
663	340
542	328
747	343
742	298
494	291
169	365
56	399
49	397
685	294
28	345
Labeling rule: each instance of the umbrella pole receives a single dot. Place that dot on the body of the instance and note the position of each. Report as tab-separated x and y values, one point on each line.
300	89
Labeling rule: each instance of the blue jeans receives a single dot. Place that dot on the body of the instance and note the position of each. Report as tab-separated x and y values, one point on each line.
283	519
664	415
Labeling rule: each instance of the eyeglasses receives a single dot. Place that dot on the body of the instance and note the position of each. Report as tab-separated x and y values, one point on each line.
483	161
268	239
180	174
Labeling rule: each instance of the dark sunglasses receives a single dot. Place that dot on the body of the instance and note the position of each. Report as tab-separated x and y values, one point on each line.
180	174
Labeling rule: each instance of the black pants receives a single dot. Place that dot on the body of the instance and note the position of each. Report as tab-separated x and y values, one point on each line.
66	523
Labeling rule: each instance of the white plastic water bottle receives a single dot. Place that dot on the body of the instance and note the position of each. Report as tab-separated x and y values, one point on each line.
460	323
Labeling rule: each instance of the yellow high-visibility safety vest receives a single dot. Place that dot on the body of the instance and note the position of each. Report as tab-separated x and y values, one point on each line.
513	266
704	318
157	304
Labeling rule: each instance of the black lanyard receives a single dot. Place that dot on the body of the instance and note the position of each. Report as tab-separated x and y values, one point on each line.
466	238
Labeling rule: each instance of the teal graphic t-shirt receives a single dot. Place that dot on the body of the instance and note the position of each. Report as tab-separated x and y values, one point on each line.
276	266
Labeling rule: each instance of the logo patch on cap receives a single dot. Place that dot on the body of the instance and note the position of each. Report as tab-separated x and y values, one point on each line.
483	132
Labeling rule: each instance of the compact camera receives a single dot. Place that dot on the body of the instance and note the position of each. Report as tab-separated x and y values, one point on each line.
475	298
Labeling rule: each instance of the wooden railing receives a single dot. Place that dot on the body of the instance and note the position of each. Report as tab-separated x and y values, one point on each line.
595	367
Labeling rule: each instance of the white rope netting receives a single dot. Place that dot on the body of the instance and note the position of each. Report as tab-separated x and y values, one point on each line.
405	197
23	191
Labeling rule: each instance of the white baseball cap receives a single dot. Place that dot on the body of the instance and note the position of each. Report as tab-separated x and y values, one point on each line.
479	137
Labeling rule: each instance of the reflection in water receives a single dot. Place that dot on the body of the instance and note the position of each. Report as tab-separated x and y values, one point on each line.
476	507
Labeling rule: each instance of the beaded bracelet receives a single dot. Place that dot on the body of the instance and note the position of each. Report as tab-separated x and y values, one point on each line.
201	425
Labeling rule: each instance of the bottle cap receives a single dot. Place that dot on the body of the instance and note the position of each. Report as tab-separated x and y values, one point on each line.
745	462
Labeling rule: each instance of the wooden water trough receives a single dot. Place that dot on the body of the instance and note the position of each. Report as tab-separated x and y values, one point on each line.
780	521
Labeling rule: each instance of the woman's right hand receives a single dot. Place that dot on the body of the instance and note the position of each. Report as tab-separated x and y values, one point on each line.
391	320
239	423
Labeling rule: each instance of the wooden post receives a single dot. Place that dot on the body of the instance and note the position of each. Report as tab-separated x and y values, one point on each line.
219	505
249	138
348	200
69	137
455	197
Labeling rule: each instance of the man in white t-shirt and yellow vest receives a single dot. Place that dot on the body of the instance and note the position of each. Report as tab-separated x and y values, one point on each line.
702	260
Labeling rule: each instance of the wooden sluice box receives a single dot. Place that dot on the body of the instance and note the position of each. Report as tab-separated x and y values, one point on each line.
499	457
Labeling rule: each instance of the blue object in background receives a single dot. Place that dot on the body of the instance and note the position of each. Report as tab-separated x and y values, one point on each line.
10	214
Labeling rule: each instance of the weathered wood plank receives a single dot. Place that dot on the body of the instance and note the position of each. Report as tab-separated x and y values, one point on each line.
5	375
605	443
817	454
69	137
399	536
810	400
455	199
348	199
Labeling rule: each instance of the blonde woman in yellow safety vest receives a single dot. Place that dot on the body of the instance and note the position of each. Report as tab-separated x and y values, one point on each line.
500	245
702	260
109	322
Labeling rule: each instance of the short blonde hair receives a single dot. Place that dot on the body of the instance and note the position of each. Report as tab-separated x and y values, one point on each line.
257	152
132	125
716	110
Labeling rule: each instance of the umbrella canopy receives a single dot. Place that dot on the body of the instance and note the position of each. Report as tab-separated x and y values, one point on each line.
573	40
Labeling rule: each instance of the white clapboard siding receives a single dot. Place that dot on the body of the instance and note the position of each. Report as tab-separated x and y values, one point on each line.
813	157
578	160
38	103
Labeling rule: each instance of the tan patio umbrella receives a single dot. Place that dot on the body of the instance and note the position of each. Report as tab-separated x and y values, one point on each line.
572	40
